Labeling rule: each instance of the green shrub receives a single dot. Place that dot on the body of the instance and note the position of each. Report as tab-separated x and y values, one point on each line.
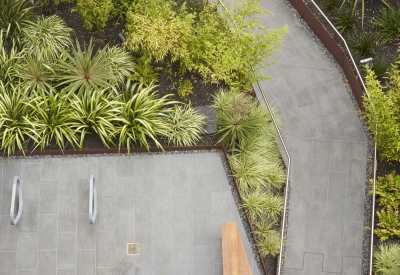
380	66
382	113
15	129
95	112
14	14
185	126
330	5
388	22
185	88
269	243
86	70
364	43
254	203
144	72
345	20
8	60
52	118
143	116
95	13
387	259
49	36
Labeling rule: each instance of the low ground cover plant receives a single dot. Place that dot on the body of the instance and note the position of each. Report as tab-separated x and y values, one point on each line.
247	130
387	259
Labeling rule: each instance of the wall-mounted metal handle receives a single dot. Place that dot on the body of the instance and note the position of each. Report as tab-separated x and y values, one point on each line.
92	201
16	186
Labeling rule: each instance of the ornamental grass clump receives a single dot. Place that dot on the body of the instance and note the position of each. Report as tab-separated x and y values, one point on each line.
185	126
387	259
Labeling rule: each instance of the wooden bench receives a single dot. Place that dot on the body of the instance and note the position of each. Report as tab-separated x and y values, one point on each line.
234	257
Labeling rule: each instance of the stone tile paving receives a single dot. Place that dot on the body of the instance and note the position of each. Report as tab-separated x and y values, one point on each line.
328	149
172	205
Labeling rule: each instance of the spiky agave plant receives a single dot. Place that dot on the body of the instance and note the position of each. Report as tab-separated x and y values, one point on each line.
50	36
53	119
143	116
95	112
15	129
185	125
84	70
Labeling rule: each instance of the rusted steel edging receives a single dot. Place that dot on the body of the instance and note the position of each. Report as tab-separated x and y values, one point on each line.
332	46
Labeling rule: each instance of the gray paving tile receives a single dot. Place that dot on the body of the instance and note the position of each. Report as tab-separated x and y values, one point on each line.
202	235
355	212
105	271
87	167
30	272
313	263
312	124
320	170
355	196
125	264
47	262
27	250
356	133
334	222
184	269
66	250
337	188
285	17
289	114
184	251
47	232
349	118
147	250
49	196
105	249
105	220
203	264
66	271
315	233
68	185
217	251
50	169
303	39
219	269
124	166
318	58
280	89
6	191
333	252
298	214
8	262
105	178
67	215
125	192
11	168
145	270
163	195
351	265
337	88
125	229
317	202
294	257
334	128
339	156
183	213
164	263
86	233
30	176
323	101
86	262
8	234
144	212
300	181
352	239
83	195
358	149
357	173
292	271
29	218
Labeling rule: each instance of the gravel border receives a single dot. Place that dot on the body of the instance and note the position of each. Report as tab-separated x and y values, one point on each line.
370	146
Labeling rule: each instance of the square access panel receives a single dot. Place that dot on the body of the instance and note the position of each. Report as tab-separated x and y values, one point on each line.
132	249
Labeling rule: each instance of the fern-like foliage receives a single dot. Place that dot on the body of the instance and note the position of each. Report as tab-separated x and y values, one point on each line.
389	223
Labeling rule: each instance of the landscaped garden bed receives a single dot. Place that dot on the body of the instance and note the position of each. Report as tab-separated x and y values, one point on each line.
70	80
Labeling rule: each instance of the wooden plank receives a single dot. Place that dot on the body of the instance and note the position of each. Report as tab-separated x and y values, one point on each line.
235	261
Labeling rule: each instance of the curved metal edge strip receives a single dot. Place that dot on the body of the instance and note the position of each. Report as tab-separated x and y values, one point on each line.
16	185
92	200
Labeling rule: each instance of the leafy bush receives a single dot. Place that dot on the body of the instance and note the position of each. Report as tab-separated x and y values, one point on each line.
185	88
14	14
95	112
185	125
382	112
387	259
388	22
95	13
143	116
15	129
346	20
364	43
49	36
53	119
144	72
85	70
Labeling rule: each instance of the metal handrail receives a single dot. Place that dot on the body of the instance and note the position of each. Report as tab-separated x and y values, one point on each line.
287	154
16	185
375	144
92	200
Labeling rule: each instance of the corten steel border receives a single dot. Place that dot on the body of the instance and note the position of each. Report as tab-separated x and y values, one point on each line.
332	46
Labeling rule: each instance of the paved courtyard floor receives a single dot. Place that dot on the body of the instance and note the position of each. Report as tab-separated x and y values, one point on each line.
172	205
328	149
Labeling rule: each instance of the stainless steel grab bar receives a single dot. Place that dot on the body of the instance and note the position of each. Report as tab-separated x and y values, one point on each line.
92	200
16	185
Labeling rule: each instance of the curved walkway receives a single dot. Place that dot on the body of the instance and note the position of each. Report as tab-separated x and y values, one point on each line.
328	149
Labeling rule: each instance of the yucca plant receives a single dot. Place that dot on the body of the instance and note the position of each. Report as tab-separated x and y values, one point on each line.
185	126
14	14
53	119
34	72
85	70
95	112
15	129
269	243
144	116
50	36
385	258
